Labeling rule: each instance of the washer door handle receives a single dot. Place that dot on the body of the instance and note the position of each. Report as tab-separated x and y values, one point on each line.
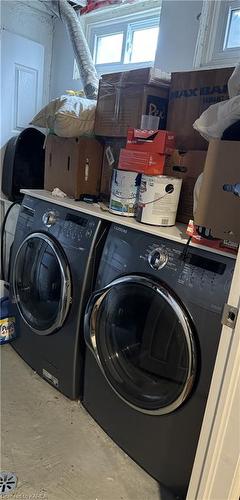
91	318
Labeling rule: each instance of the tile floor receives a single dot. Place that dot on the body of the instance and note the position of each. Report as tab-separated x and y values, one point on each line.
56	449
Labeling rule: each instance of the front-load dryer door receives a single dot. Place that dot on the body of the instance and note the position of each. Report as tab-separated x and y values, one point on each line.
41	283
144	342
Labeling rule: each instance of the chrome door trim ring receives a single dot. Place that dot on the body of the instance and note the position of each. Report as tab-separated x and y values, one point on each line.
65	299
95	303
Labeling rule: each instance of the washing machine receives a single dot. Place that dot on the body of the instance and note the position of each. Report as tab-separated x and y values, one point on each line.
54	258
152	330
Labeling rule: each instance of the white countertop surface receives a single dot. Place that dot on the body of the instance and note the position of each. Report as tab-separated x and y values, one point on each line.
174	233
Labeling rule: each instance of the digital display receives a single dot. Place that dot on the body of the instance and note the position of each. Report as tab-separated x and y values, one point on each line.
207	264
80	221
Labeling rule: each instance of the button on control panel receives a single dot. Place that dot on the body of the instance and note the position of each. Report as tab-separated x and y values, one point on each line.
72	232
158	258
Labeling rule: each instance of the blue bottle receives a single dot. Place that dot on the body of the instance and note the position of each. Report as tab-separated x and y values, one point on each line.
7	321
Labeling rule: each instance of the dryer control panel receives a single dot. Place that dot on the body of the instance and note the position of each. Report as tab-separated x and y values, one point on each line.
195	275
201	275
50	218
158	258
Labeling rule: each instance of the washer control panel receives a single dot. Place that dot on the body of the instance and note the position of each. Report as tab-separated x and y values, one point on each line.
72	229
77	229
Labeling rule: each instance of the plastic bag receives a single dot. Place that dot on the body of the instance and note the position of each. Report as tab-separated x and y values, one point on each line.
217	118
234	82
67	116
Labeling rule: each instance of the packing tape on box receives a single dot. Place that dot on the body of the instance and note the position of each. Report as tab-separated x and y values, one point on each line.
113	88
158	200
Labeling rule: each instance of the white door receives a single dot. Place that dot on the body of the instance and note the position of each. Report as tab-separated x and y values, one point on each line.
216	471
22	69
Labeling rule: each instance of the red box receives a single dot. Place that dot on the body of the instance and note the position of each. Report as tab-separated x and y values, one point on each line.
154	141
141	161
223	245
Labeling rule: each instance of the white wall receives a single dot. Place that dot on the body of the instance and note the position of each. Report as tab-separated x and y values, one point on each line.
175	52
178	34
62	62
63	56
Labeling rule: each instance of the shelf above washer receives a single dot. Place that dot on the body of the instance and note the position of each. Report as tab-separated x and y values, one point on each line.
174	233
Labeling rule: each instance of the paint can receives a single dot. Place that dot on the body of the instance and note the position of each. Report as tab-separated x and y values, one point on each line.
124	192
158	200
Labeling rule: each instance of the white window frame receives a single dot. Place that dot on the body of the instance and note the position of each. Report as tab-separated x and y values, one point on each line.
126	17
211	37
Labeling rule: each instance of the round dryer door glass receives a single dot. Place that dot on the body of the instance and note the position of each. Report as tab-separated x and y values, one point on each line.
144	342
41	283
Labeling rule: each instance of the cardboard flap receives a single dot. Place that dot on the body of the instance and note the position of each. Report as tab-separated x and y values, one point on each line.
139	135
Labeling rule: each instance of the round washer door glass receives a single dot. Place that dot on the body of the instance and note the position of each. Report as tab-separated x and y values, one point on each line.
145	344
41	283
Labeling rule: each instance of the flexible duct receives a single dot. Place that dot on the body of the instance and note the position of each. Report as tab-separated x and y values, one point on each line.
63	10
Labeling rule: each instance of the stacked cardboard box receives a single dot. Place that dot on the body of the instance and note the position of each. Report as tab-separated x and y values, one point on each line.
191	93
146	151
124	98
73	165
186	166
219	204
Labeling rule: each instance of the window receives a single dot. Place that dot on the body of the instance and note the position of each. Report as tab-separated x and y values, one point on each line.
219	35
127	41
232	38
131	43
108	48
142	41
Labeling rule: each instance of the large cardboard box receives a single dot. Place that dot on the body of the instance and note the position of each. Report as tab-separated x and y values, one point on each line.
191	93
73	165
112	148
186	166
218	208
124	97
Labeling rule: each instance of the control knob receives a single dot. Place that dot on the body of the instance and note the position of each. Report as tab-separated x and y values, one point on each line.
49	218
158	258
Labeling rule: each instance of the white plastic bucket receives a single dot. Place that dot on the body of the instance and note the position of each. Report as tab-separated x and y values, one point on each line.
158	200
124	191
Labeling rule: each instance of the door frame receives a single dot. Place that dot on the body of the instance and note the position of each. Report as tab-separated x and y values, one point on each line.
216	469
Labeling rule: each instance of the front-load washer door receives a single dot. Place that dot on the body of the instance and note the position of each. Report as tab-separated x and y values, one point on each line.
144	342
41	283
